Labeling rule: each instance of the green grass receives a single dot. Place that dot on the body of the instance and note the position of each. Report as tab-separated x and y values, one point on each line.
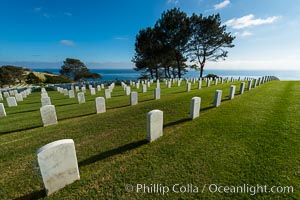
252	139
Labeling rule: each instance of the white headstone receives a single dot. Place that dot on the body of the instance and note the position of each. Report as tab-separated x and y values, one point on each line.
178	83
66	92
98	88
169	84
24	95
195	107
44	95
157	84
1	97
93	91
249	84
77	88
100	105
71	94
188	87
6	94
48	114
127	90
45	101
144	88
2	110
199	83
218	98
83	89
242	88
43	90
107	94
19	97
232	91
80	97
255	83
11	102
154	125
157	93
216	81
208	83
58	164
133	98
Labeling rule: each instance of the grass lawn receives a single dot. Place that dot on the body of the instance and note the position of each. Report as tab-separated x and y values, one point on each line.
252	139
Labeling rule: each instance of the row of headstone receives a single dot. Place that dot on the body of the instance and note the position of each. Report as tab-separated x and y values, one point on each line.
58	162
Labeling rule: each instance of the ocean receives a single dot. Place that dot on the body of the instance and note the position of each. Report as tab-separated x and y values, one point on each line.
130	74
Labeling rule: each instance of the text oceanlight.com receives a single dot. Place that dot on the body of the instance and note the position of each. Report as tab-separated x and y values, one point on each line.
211	188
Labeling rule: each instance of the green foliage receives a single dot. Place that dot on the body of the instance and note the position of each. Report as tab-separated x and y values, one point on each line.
76	70
163	50
208	40
11	75
211	76
57	79
33	79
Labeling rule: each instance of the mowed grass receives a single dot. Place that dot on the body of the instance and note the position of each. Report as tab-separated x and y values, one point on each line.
252	139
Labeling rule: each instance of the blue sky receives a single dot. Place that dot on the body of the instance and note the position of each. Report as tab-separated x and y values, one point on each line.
42	33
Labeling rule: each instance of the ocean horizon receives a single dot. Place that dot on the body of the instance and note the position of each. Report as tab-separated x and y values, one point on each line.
131	74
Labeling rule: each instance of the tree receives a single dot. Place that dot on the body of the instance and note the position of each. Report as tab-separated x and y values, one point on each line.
33	79
208	40
148	51
57	79
175	33
11	74
73	68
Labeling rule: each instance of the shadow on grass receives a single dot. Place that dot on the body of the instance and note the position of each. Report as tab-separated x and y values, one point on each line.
206	108
121	95
146	100
83	115
21	129
35	102
177	122
223	100
65	104
34	195
25	111
179	92
113	152
118	107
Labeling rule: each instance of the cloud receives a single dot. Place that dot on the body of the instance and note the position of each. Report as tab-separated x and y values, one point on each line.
121	38
173	2
37	9
243	34
221	5
249	20
68	14
67	43
246	33
46	15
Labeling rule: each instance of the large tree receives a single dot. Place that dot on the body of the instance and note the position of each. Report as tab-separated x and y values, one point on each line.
175	33
148	51
208	40
76	70
11	74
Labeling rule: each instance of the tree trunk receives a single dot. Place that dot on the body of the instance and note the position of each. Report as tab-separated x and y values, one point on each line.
169	75
156	72
179	68
166	76
151	73
201	72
